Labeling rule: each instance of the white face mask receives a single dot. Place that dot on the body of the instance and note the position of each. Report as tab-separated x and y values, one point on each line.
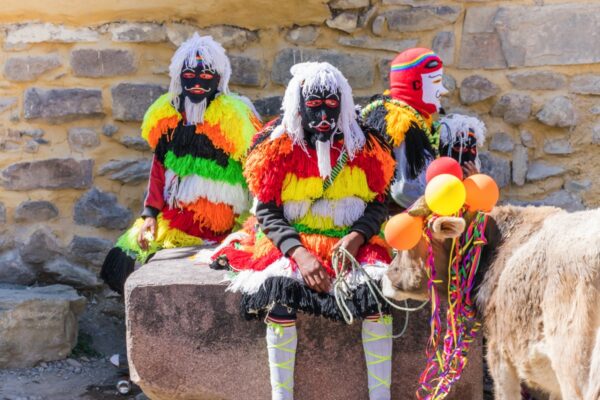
433	89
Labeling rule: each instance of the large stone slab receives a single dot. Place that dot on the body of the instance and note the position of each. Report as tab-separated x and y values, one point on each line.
54	173
58	105
186	340
555	34
424	18
96	63
38	324
358	69
19	35
29	68
102	210
131	100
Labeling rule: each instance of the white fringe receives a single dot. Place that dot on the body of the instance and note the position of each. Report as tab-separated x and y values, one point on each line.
190	188
309	77
294	210
323	150
344	212
194	112
213	56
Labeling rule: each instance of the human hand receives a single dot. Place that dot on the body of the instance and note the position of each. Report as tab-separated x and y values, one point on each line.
351	242
149	226
469	168
311	269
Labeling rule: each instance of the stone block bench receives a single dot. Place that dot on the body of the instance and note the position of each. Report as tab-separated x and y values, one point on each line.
186	340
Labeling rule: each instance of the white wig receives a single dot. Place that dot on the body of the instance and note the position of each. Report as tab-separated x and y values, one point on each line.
213	56
310	77
456	127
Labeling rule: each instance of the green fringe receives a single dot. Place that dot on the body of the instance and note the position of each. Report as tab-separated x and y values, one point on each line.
128	243
327	232
209	169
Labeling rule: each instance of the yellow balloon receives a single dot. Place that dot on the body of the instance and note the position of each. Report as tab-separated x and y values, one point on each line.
445	194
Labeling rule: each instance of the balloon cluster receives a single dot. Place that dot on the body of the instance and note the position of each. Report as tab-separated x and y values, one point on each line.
446	193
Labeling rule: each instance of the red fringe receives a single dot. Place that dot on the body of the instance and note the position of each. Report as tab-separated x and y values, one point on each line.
184	221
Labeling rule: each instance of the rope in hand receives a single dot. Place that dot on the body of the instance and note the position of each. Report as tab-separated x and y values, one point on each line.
343	263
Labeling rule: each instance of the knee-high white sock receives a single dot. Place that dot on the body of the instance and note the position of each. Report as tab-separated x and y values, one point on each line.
281	344
377	344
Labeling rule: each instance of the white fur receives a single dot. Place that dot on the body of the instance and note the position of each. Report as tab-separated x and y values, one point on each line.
213	56
309	77
190	188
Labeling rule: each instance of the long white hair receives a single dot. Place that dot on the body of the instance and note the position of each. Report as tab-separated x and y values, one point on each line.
456	127
310	77
213	56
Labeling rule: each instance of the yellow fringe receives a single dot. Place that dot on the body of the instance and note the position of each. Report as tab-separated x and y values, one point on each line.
351	181
161	109
399	120
295	188
317	222
170	238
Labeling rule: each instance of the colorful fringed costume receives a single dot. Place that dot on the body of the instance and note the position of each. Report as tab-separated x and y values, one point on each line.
404	115
282	173
196	180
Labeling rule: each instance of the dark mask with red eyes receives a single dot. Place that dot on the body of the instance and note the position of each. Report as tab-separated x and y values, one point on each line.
463	149
199	83
319	112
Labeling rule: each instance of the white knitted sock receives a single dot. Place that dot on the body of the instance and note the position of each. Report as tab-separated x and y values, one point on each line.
377	344
281	344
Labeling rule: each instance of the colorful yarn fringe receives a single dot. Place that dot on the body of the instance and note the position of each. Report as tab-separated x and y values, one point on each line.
447	356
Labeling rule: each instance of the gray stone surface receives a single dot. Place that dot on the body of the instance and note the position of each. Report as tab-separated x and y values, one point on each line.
502	142
481	50
303	35
578	186
496	167
540	170
138	32
367	42
14	270
480	19
384	71
596	135
228	36
135	143
38	324
586	84
89	250
109	130
449	83
246	71
199	338
18	35
31	146
29	68
35	211
346	21
32	133
514	108
97	63
102	210
558	111
537	80
54	173
81	139
563	199
62	271
42	246
127	171
379	25
527	139
476	88
443	44
528	39
595	110
520	159
2	213
269	106
422	18
348	4
358	69
7	103
558	146
131	100
59	105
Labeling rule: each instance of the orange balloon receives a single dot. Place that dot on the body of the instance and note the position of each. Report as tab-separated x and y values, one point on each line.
482	192
403	231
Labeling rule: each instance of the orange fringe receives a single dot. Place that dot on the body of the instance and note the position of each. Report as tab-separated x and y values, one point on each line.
218	217
161	127
388	164
216	136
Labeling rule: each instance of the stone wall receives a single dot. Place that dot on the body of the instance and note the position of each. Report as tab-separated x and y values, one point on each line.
75	83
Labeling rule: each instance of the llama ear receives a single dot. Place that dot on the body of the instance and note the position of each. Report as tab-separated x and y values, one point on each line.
448	227
419	208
